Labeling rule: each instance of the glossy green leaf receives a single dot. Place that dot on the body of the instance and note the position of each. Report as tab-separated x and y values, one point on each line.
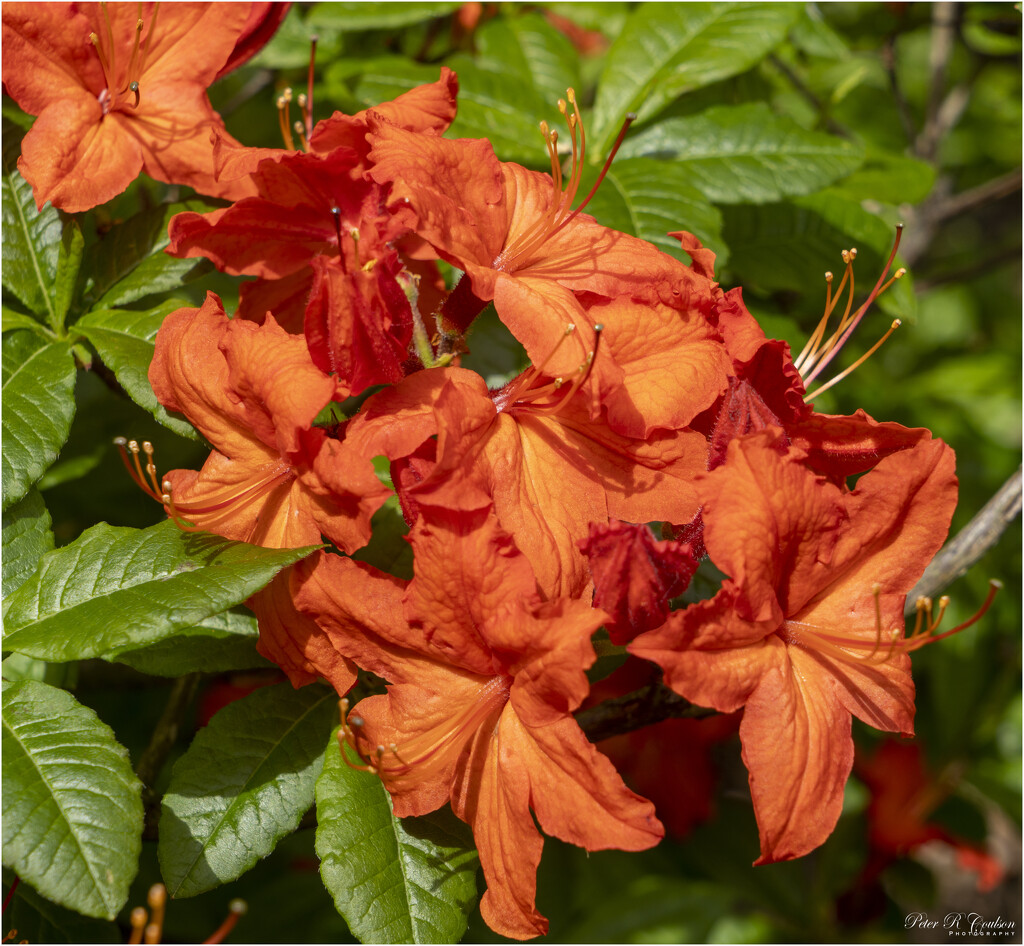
650	199
14	320
747	154
667	49
73	468
352	17
27	536
39	403
72	806
69	262
32	237
129	263
243	784
220	643
125	340
891	179
394	881
114	588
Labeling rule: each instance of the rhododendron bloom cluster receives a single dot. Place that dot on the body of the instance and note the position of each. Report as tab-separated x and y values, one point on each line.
655	426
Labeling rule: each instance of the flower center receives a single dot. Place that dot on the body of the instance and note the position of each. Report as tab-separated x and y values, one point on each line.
261	482
426	754
540	394
525	246
880	649
819	350
122	89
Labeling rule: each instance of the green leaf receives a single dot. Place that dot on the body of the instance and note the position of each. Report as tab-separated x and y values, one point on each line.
14	320
747	154
667	49
244	783
37	920
113	589
790	245
32	238
891	179
651	199
73	468
69	262
394	881
72	807
220	643
27	536
39	402
129	263
352	17
125	340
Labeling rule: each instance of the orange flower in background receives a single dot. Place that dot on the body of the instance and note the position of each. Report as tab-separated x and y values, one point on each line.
272	479
808	630
484	675
118	88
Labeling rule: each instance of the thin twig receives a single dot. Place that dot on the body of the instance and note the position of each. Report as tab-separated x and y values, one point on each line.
944	16
995	189
801	87
902	107
644	707
166	732
970	543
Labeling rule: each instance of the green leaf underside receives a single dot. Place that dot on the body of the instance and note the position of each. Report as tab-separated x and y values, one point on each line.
115	588
39	403
394	881
746	153
124	339
243	784
220	643
37	920
32	237
72	808
667	49
27	536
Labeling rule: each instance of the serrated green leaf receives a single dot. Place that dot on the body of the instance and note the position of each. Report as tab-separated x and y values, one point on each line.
27	537
39	921
124	339
410	880
244	783
129	263
747	154
220	643
72	806
113	589
352	17
668	49
69	262
14	320
32	237
651	199
39	403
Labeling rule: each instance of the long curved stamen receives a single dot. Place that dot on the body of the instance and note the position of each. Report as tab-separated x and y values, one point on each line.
283	102
842	374
581	379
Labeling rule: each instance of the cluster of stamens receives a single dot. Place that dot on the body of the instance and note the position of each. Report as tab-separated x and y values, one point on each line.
888	641
819	351
304	100
560	213
147	927
110	100
524	391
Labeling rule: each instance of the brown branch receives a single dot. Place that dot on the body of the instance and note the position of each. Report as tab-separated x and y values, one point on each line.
902	107
965	201
938	120
819	106
644	707
975	539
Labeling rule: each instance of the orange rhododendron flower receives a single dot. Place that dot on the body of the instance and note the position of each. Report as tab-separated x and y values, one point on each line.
484	675
808	630
272	479
119	88
533	449
521	245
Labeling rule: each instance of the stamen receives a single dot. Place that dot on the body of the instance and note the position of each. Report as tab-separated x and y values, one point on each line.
842	374
237	908
283	102
132	75
307	105
584	374
300	130
138	921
